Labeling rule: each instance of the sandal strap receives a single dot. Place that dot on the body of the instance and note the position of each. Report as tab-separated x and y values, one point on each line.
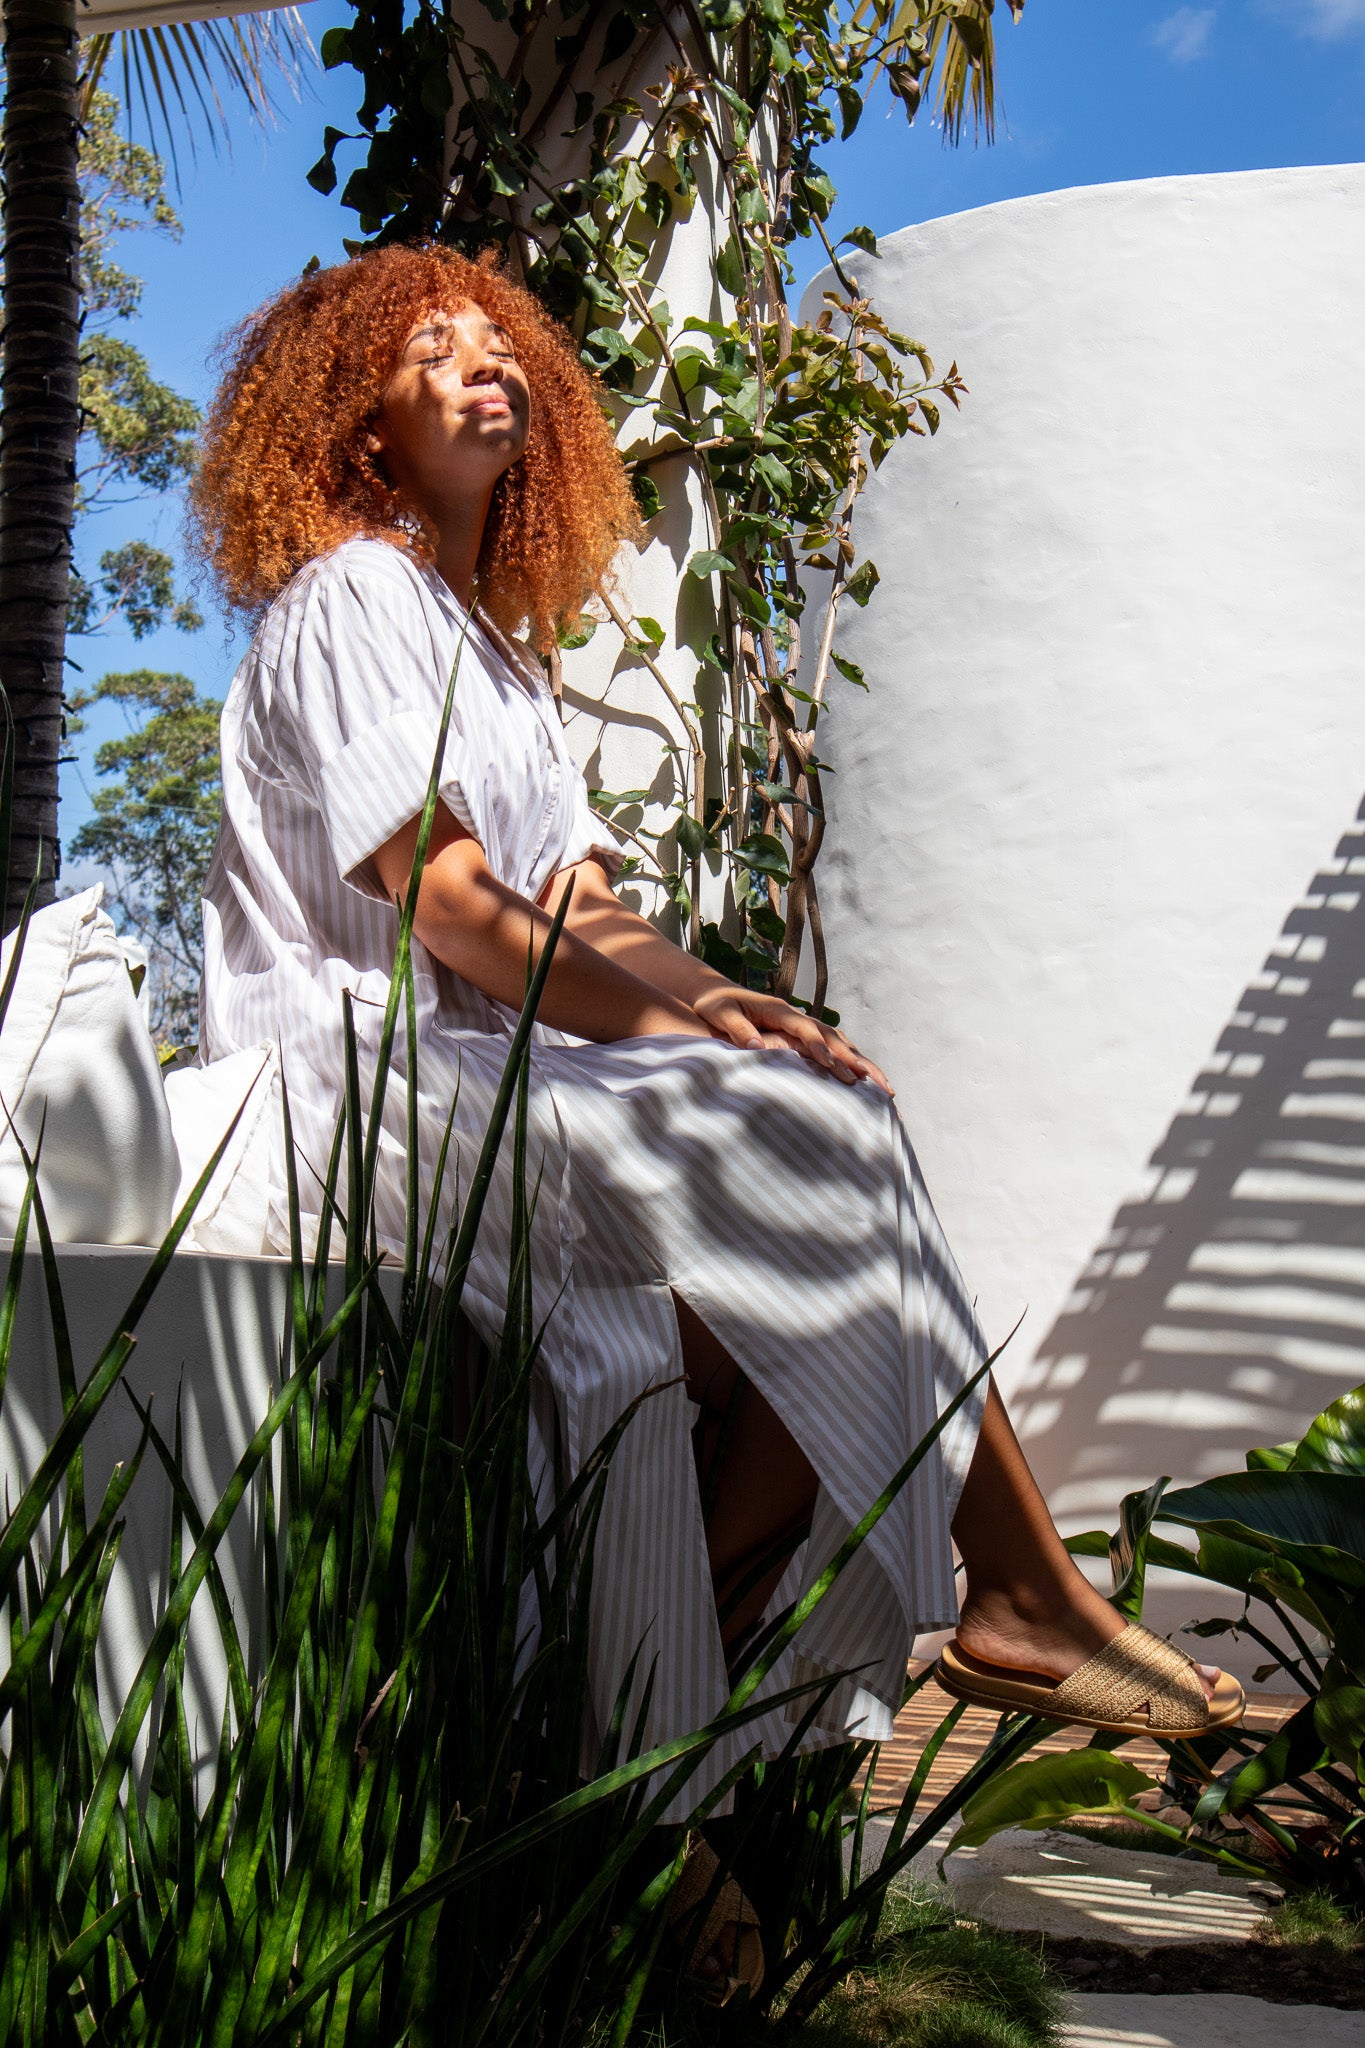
1137	1667
729	1908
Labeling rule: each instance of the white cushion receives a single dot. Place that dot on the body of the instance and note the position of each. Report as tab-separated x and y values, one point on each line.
73	1043
232	1212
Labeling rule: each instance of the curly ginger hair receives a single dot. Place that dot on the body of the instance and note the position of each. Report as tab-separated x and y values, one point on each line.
284	475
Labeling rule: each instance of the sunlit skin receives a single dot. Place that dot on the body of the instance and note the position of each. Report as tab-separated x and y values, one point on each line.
453	417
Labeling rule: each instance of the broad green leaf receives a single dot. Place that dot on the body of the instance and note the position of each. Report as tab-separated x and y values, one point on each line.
1291	1752
862	582
1049	1789
1128	1550
1335	1442
730	268
608	800
775	474
691	836
709	562
1339	1718
648	496
1349	1636
764	855
1313	1520
849	670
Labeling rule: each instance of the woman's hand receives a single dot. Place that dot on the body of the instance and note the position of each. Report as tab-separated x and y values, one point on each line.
748	1018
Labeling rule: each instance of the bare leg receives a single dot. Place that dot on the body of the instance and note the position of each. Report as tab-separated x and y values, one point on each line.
761	1484
1027	1605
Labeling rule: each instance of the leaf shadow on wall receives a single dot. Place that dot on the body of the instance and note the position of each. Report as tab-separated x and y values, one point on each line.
1226	1306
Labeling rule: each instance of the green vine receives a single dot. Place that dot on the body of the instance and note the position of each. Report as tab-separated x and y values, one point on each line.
582	140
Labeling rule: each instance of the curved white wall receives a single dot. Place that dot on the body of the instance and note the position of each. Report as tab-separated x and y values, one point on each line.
1088	892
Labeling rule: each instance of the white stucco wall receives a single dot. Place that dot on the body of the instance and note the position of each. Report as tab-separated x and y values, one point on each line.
1091	883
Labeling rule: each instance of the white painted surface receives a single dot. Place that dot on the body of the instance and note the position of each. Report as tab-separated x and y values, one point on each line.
1092	884
211	1340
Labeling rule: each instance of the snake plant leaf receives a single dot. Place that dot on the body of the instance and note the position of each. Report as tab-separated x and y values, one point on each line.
1335	1442
1312	1520
1045	1790
100	1812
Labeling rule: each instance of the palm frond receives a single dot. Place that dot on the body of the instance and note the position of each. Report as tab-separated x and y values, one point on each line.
185	79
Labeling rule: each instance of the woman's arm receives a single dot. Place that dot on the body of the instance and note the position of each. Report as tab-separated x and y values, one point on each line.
613	975
747	1017
486	932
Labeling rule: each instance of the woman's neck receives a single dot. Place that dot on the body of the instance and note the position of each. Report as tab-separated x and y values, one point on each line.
459	537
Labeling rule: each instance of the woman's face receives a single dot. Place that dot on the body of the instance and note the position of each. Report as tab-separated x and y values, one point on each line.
455	413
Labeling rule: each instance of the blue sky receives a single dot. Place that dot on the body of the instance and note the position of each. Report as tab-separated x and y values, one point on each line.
1092	91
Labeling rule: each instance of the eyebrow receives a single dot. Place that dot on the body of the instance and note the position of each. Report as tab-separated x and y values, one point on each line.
434	333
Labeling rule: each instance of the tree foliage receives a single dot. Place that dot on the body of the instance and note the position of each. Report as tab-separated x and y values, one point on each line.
154	826
510	125
137	434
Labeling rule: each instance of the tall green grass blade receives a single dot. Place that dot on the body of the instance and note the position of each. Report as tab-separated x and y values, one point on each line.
6	792
398	980
172	1464
685	1751
73	1959
462	1250
66	1590
61	1342
85	1859
857	1536
9	1306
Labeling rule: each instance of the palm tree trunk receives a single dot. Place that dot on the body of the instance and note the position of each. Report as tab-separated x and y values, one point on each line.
39	409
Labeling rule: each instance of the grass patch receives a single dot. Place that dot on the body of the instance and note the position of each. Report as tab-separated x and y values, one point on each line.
926	1985
1315	1920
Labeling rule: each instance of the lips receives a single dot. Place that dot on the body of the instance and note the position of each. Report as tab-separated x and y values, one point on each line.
489	405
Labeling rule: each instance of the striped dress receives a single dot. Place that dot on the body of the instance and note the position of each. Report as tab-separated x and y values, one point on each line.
785	1208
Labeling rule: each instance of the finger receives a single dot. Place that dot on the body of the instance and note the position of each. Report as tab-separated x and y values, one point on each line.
734	1022
845	1050
851	1065
870	1071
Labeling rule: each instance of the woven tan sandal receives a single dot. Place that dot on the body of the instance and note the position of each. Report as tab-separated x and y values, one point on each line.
729	1908
1136	1685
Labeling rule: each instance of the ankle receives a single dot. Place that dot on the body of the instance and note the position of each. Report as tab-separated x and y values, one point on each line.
1030	1605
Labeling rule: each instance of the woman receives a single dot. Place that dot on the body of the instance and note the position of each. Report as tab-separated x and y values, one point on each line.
406	451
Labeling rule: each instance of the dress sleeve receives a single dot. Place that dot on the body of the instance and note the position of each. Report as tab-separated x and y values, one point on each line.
589	835
366	682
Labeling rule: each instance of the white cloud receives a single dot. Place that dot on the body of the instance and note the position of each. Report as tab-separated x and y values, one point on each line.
1184	35
1332	18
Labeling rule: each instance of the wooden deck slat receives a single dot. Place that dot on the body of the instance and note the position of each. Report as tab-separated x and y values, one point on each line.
917	1721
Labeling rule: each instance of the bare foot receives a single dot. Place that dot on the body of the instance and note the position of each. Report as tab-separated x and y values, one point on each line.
1018	1632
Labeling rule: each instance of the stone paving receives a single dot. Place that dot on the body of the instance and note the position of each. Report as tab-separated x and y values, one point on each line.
1057	1884
1205	2020
1068	1888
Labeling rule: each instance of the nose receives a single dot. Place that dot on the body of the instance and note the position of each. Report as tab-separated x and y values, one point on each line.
480	367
